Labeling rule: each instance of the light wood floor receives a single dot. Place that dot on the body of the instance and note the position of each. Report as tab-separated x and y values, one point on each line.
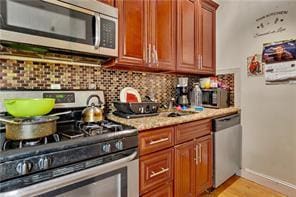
240	187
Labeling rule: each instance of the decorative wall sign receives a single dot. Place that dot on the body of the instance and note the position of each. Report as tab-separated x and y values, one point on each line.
274	22
255	65
280	59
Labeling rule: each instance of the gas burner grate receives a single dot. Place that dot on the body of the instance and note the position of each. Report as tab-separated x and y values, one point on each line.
18	144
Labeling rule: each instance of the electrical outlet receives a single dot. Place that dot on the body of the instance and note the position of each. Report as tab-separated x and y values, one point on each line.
55	86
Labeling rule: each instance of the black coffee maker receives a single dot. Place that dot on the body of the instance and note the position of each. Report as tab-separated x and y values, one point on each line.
182	92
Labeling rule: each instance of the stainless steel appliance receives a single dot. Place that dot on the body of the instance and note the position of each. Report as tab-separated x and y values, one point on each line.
227	147
215	98
80	159
85	26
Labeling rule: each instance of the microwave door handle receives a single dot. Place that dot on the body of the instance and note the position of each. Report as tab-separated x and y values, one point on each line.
98	31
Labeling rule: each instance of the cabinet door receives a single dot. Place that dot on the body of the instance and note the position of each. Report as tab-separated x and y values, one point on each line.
109	2
186	35
185	169
207	36
163	15
132	32
156	169
166	190
204	162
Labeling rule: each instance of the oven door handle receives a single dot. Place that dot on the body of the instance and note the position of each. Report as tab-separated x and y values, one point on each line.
53	184
98	31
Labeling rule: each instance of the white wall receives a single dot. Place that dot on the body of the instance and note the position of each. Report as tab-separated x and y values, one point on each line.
268	112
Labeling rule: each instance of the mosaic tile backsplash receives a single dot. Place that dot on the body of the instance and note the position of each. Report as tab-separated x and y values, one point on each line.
228	79
16	74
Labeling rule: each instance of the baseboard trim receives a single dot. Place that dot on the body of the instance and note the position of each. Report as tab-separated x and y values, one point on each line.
270	182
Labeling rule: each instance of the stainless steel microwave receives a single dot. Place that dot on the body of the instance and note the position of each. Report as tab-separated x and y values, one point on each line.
215	98
86	26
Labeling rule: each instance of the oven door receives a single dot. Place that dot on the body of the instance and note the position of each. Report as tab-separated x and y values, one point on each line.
119	178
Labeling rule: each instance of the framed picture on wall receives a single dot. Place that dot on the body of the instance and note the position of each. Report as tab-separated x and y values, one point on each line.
255	65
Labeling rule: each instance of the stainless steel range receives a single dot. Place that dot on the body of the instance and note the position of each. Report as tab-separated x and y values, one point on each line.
80	159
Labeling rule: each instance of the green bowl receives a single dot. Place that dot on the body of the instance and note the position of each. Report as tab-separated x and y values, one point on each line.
28	107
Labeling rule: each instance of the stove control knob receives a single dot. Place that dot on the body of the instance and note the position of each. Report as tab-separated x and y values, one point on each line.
24	167
119	145
44	163
107	148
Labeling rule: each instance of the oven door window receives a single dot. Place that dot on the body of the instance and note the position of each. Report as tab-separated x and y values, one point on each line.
111	184
47	20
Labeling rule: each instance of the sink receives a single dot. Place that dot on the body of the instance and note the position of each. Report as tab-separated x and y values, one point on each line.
176	113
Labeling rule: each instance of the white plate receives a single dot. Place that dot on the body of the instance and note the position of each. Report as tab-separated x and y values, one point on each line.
124	91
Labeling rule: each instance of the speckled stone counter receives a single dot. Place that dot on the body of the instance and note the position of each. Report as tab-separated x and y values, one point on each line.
160	121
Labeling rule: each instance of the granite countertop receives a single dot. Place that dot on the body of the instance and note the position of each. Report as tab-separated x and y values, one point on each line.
161	121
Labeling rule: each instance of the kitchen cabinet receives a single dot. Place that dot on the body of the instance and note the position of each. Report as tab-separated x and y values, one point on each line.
156	169
207	37
193	171
157	140
163	37
147	35
166	190
181	154
167	36
196	36
132	33
185	169
203	177
109	2
186	36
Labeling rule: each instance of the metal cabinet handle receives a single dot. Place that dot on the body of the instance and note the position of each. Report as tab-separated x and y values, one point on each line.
98	31
163	170
149	53
201	61
158	141
196	154
199	153
155	55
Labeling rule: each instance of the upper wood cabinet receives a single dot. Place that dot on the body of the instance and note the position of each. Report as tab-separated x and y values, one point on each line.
207	36
196	36
109	2
186	36
167	35
163	37
147	34
132	32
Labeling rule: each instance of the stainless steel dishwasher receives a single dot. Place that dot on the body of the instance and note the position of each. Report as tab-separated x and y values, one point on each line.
227	147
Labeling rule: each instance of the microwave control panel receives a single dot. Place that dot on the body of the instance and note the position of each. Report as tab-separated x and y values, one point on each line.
108	31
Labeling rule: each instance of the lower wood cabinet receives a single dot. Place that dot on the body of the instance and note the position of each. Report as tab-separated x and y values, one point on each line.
176	160
204	167
193	167
185	169
166	190
156	169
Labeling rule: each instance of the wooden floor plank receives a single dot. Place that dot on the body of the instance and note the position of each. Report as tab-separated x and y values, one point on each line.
240	187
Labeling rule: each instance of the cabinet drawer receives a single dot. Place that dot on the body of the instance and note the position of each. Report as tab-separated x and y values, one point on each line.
166	190
156	140
191	130
155	169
